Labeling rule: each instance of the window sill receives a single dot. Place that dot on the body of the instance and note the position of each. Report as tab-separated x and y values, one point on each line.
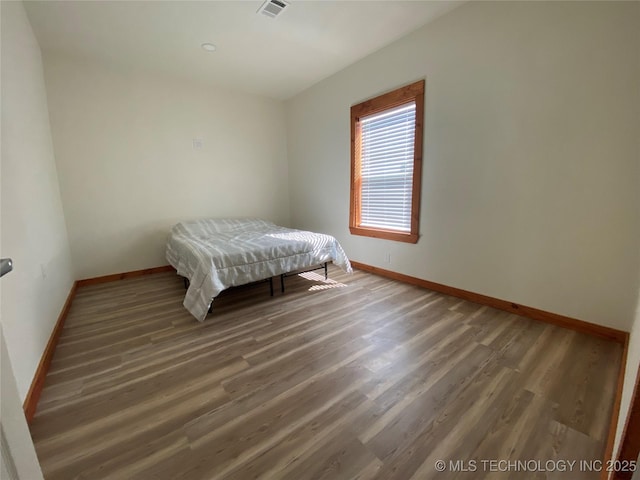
385	234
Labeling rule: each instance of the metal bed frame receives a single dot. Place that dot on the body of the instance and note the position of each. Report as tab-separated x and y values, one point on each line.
270	280
291	274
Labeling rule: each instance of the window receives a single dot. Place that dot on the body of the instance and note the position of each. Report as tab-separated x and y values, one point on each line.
386	164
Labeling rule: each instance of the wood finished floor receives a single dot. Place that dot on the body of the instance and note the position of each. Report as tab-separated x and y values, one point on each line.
359	377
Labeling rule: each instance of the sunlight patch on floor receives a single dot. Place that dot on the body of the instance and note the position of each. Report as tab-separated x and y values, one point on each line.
315	277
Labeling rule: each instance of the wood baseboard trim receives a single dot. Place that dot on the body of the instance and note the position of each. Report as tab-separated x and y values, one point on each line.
121	276
33	395
529	312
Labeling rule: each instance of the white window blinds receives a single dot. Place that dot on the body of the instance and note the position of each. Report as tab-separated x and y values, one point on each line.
386	168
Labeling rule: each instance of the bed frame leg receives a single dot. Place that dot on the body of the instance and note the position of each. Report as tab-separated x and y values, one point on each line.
186	283
326	275
282	283
271	285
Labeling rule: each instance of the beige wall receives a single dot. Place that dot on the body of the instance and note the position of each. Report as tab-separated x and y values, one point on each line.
33	226
531	160
128	169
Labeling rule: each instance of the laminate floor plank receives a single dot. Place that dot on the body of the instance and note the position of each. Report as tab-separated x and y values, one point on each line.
354	377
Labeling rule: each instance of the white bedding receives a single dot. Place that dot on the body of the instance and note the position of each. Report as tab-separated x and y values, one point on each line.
215	254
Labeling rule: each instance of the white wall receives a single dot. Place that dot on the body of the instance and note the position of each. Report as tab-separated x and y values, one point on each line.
128	170
531	159
33	227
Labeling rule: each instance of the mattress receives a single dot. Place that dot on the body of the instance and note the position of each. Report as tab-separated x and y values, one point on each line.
215	254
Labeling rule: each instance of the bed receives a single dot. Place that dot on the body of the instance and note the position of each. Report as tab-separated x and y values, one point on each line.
215	254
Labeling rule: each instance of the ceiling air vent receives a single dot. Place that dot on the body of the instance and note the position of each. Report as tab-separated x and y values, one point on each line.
273	8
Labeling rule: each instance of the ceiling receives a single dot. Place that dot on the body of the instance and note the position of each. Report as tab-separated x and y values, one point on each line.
308	41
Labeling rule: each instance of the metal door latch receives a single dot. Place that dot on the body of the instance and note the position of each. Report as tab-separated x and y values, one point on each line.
6	265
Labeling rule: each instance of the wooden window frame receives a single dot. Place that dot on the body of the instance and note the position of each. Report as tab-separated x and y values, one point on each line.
409	93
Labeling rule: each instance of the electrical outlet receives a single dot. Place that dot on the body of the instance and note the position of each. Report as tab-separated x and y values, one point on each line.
387	257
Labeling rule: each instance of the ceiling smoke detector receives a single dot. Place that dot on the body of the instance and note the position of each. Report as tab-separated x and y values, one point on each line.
273	8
